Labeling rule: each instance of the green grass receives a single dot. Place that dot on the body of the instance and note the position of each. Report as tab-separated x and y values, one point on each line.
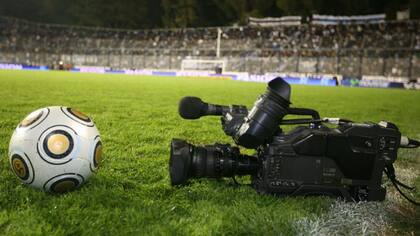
137	117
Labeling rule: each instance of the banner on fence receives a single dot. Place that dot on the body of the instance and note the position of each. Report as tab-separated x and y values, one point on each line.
274	21
291	78
334	20
374	81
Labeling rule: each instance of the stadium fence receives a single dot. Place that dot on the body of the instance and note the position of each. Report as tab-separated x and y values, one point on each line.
386	49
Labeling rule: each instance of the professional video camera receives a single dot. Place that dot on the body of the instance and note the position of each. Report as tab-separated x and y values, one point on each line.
346	161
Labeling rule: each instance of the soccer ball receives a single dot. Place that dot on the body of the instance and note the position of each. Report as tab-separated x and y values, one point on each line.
55	149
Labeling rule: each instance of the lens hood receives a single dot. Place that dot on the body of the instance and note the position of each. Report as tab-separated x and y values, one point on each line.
179	162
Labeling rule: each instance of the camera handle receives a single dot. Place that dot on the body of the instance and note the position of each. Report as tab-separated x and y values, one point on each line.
304	112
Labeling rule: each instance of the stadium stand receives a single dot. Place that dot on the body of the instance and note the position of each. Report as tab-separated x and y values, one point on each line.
390	48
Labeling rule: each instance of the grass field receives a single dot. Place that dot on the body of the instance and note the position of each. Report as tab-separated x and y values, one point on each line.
131	195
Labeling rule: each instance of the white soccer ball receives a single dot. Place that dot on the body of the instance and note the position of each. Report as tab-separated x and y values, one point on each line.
55	149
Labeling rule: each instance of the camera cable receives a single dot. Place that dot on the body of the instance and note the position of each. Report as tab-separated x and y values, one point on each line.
390	172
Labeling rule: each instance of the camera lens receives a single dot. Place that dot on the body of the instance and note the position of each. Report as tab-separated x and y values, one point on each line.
212	161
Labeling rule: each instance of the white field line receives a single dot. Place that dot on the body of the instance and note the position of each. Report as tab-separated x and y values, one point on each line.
362	218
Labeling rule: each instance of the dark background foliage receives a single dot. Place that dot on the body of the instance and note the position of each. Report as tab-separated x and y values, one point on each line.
189	13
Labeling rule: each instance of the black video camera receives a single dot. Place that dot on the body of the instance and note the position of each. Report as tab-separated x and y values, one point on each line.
347	161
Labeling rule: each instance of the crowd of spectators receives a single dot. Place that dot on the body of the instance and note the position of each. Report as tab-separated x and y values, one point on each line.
379	40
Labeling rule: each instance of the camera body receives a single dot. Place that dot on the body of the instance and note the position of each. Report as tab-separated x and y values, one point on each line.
346	161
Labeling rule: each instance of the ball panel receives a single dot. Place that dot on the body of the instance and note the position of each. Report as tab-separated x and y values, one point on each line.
31	118
53	142
34	118
22	167
19	167
95	154
98	154
58	144
63	183
77	116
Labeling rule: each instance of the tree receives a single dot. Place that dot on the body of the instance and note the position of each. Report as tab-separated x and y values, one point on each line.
297	7
189	13
179	13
